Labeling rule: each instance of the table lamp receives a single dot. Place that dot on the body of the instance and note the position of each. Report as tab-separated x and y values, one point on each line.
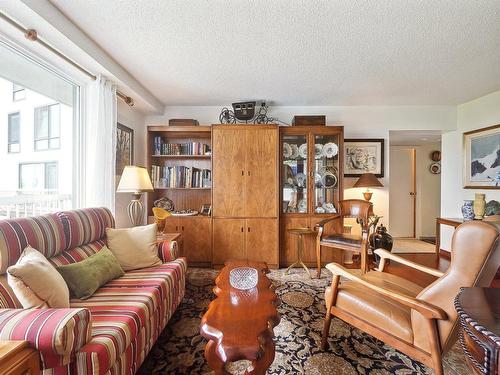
368	180
135	180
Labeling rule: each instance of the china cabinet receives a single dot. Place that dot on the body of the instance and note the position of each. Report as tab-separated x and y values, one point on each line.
311	185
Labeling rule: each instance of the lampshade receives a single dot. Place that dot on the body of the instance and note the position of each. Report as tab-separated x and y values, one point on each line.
368	180
134	180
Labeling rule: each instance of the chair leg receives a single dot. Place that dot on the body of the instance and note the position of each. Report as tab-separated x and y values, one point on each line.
328	318
435	346
318	259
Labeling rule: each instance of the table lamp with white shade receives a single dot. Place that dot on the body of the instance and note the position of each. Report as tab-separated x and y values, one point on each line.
135	180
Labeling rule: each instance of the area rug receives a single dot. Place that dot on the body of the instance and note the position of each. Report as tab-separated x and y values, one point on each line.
411	245
179	350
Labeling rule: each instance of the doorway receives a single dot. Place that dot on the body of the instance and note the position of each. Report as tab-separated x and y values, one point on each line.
402	198
414	184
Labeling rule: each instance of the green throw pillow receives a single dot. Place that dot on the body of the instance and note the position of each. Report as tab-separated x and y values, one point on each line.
85	277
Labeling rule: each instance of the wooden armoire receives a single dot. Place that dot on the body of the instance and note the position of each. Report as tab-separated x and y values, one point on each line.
245	193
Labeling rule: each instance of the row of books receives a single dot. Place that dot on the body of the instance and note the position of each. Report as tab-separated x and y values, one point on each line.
191	148
180	177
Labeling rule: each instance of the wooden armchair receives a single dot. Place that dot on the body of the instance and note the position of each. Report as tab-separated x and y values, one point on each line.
349	208
420	322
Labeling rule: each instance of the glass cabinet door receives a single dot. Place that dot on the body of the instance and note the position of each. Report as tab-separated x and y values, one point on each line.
294	173
326	173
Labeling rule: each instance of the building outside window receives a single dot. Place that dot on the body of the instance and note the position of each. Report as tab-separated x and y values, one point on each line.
18	92
38	177
47	125
42	175
14	133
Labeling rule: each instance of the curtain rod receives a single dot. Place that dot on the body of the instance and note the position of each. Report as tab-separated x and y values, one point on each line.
32	35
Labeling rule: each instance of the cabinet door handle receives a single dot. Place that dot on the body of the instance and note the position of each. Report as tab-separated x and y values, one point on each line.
183	228
242	229
248	229
249	173
176	228
242	173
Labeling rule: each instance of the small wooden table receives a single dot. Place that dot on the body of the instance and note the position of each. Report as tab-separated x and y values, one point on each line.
17	358
239	323
479	313
300	234
454	222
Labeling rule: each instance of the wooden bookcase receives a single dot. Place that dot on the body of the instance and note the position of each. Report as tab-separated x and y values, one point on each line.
311	195
197	245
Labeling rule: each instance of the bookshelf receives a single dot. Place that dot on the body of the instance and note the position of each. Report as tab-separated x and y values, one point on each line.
180	165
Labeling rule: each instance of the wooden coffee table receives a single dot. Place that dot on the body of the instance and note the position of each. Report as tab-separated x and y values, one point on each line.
239	323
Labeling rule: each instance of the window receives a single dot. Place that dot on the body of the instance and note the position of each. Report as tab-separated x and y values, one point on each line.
14	133
36	177
18	92
47	124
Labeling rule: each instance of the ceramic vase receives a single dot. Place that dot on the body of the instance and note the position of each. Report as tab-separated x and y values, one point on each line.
479	206
468	210
380	240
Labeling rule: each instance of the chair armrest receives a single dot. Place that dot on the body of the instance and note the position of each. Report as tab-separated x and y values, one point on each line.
56	333
321	223
168	251
426	309
384	254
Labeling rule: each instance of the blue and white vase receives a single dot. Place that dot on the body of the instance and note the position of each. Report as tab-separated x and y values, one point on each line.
468	210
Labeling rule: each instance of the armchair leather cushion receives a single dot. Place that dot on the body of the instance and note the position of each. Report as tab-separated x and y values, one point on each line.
343	239
376	309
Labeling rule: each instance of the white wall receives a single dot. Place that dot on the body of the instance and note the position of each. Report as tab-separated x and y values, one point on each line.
476	114
134	119
358	122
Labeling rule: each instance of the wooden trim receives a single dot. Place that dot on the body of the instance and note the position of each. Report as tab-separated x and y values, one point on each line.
414	188
445	254
482	129
180	129
489	187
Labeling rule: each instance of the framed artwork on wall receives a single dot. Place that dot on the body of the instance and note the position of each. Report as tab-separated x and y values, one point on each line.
124	147
482	158
363	156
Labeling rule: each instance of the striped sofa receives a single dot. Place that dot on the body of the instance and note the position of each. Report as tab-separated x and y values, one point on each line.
112	331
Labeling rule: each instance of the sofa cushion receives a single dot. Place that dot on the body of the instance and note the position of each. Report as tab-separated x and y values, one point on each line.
8	299
134	247
85	277
85	225
36	283
44	233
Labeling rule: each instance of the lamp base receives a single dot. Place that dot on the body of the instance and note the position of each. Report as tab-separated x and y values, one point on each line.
367	195
135	210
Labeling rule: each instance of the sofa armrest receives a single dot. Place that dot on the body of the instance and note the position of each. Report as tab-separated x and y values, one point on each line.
56	333
168	250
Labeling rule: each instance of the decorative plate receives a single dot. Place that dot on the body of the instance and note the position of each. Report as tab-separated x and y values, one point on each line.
303	151
295	151
164	203
185	213
317	179
302	206
435	168
301	178
330	150
328	176
330	208
287	150
318	151
319	210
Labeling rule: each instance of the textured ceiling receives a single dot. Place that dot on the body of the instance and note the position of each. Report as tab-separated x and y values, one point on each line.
290	52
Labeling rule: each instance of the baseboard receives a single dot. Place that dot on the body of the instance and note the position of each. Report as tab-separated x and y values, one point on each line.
445	254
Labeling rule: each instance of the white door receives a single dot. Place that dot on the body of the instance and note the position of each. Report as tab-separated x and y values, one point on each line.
402	192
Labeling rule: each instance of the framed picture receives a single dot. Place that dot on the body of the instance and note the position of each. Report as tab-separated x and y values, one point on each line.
206	209
482	158
124	147
363	156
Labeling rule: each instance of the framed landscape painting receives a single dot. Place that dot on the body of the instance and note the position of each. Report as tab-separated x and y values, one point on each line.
482	158
124	147
363	156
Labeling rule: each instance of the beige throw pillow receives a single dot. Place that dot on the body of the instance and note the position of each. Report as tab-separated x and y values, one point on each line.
36	282
134	247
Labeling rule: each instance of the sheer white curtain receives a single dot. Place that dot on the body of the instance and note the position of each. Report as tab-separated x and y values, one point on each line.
100	144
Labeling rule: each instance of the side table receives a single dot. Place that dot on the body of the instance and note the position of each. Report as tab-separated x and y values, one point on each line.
17	358
454	222
479	313
300	234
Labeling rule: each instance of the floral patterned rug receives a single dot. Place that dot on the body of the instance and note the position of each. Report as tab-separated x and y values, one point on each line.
179	350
